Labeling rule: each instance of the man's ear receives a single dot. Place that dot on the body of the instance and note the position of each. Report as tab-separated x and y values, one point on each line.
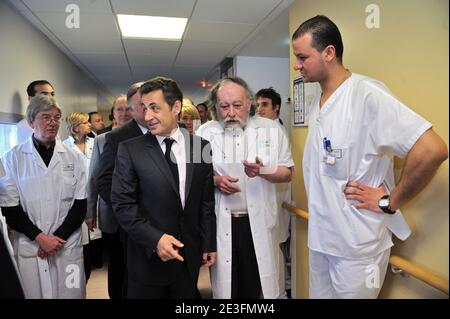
329	53
31	124
276	108
176	108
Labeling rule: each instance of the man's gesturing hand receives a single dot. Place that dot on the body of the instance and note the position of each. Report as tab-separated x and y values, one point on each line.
167	248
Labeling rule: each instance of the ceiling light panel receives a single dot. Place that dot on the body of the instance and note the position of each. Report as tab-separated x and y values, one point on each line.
150	27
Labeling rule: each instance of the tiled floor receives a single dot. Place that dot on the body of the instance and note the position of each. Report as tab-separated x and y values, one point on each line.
97	287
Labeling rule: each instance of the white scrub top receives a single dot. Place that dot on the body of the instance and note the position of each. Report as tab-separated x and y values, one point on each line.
366	126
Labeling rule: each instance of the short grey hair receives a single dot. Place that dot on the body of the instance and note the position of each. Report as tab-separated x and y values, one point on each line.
40	103
121	96
212	95
134	88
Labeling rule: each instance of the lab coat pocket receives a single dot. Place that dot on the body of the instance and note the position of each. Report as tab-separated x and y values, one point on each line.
68	188
338	170
26	248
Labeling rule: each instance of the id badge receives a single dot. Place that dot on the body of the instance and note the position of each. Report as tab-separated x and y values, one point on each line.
68	168
329	159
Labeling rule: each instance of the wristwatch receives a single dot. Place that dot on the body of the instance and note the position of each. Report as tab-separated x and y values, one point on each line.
385	205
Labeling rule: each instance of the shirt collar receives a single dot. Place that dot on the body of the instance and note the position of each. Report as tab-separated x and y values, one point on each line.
42	147
143	128
176	135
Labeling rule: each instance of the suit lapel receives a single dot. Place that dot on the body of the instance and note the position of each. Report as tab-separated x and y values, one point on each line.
160	161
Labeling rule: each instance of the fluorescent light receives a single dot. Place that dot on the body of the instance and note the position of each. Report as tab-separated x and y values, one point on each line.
134	26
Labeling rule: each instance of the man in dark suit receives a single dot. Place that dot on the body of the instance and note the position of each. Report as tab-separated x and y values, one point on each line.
162	195
121	113
104	170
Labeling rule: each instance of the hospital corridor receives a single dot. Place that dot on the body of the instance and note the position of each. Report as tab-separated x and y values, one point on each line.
223	156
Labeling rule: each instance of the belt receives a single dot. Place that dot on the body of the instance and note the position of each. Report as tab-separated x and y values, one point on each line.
239	214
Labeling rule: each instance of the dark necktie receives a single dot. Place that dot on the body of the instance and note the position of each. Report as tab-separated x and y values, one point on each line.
171	160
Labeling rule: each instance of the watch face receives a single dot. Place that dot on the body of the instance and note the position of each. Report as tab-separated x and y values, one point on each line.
383	202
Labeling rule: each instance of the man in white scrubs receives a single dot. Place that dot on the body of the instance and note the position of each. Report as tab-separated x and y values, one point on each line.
250	155
356	127
43	199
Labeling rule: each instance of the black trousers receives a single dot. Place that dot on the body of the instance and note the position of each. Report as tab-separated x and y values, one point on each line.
245	281
116	265
87	261
183	287
96	251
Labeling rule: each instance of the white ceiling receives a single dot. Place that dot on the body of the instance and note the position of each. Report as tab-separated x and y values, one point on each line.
216	29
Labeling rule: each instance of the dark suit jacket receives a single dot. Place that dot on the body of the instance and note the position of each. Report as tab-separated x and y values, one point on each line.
147	204
108	157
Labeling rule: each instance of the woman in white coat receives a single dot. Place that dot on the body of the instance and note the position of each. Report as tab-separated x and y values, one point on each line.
79	127
43	199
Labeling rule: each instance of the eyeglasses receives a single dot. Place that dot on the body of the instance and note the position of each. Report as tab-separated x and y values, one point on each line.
48	119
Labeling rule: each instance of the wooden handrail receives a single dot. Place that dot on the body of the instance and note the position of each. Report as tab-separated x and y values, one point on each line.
418	272
295	210
414	270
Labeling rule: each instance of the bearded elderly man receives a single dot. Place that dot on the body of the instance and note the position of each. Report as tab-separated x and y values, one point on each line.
250	155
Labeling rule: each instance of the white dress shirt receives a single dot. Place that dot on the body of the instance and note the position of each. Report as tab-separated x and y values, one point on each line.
143	128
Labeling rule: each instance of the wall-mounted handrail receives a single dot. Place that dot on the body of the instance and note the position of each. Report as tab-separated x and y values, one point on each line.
414	270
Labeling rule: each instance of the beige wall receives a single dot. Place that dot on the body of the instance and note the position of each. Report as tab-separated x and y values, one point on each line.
410	54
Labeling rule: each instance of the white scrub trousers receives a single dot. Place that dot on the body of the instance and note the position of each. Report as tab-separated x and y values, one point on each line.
332	277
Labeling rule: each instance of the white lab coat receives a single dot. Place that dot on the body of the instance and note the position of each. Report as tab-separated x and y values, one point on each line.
261	204
96	233
46	194
284	194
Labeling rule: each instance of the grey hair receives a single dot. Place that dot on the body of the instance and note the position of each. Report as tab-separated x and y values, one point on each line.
212	95
134	88
121	96
40	103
